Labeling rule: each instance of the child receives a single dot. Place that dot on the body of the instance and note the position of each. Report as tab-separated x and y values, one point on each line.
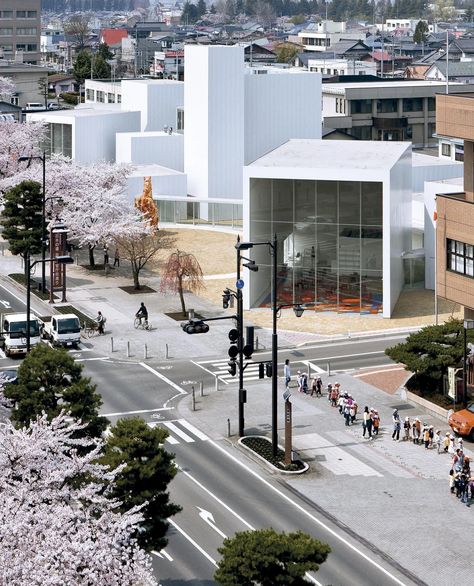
426	437
406	428
452	480
437	440
431	434
376	422
446	443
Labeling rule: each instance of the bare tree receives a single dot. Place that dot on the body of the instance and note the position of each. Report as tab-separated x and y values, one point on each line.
182	270
77	27
139	248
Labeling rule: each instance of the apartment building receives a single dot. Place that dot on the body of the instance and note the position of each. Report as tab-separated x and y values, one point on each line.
455	211
322	36
20	29
386	110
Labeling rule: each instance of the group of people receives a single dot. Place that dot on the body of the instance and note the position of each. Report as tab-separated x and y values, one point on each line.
142	314
461	480
116	256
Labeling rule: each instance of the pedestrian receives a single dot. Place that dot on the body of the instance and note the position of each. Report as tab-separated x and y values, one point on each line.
340	403
446	443
106	255
452	480
406	429
416	429
299	381
334	397
431	434
319	387
347	413
426	437
117	257
451	449
376	422
287	373
396	425
437	440
353	412
304	382
460	443
330	389
366	422
100	319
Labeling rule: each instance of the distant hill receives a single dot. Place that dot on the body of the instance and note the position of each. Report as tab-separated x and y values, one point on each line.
93	5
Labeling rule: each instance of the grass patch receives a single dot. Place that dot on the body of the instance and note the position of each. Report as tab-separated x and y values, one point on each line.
263	447
21	280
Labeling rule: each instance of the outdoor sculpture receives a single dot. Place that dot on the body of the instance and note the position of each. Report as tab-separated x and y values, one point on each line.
146	204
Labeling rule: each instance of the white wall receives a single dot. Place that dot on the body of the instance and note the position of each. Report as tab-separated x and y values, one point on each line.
156	99
428	168
94	136
151	148
397	220
280	107
162	183
214	120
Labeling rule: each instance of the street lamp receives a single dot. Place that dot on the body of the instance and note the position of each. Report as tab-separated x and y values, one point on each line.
468	325
298	309
65	260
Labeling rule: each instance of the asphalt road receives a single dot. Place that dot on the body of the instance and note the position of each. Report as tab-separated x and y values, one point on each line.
219	490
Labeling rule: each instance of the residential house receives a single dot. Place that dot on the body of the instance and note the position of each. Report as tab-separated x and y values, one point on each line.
460	71
27	80
322	36
62	83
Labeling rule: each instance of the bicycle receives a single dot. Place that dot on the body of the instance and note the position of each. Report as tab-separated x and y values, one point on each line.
144	324
89	330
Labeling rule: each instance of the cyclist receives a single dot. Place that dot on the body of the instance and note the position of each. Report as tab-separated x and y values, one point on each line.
142	313
100	319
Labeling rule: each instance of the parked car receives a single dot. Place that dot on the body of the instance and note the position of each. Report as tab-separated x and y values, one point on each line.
34	106
462	422
54	106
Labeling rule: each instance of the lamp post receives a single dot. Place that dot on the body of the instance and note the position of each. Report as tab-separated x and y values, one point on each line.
29	265
468	325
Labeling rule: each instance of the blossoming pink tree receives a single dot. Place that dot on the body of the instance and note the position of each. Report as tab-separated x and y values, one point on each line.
54	531
7	87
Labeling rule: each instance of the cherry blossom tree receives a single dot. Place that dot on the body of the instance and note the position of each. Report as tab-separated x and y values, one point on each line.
55	528
182	270
19	140
7	87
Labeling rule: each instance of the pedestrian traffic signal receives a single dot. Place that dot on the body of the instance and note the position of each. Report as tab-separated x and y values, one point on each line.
268	369
195	326
234	340
261	370
249	342
232	367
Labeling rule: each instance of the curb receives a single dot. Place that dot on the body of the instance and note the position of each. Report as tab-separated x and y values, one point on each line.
269	464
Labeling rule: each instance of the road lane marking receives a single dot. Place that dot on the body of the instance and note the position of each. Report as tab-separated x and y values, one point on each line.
192	542
161	554
288	499
190	427
379	371
138	412
208	518
175	429
313	366
98	359
163	378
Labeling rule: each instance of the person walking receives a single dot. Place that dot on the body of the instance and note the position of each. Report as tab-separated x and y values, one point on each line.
287	372
100	319
376	421
426	436
117	257
437	440
366	422
106	255
396	425
319	387
446	442
347	413
406	428
334	397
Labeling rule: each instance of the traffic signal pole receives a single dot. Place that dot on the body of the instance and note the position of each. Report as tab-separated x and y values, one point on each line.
273	247
240	346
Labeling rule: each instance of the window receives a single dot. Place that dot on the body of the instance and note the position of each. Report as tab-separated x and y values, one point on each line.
26	14
361	106
6	48
445	149
387	106
180	119
15	100
460	258
337	105
110	98
25	32
90	94
7	31
413	104
100	96
432	104
6	14
119	98
60	142
27	47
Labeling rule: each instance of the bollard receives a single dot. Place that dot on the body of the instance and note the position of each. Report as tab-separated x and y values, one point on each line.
309	371
228	427
166	351
128	349
201	388
349	335
256	343
145	352
111	343
194	399
216	382
328	368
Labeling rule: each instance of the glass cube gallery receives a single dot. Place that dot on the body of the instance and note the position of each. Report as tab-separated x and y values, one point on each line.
329	243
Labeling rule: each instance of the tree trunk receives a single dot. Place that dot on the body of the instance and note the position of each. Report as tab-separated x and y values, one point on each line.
136	274
25	264
181	295
91	255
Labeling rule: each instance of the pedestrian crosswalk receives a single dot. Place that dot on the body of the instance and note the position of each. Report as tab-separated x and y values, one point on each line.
220	369
180	430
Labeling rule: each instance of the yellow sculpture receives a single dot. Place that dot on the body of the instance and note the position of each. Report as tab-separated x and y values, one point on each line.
147	205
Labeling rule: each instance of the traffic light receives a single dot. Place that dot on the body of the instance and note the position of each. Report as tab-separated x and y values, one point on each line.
268	369
226	298
232	367
195	326
249	341
234	340
261	370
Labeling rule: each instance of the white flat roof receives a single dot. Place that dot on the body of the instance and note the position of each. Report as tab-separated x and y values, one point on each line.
152	171
388	84
421	160
325	154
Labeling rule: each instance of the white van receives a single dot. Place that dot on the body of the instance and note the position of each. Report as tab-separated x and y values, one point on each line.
34	106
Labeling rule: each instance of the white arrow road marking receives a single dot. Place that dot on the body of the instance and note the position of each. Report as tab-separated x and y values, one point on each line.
208	518
162	554
192	542
5	304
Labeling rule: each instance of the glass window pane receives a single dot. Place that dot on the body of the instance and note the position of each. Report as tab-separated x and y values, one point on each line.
349	247
371	291
469	267
372	252
349	202
371	203
459	264
459	247
452	262
469	250
349	291
260	199
326	248
282	200
326	201
452	245
305	201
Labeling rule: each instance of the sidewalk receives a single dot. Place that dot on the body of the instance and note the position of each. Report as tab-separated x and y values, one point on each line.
395	495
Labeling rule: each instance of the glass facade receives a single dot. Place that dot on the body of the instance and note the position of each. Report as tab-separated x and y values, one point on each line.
329	243
59	139
190	211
